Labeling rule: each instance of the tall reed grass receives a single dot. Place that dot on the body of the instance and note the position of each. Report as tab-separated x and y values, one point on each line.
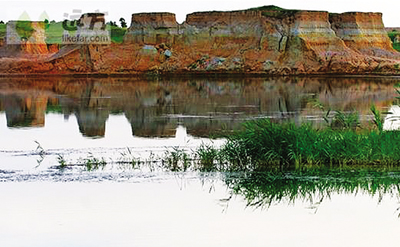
263	144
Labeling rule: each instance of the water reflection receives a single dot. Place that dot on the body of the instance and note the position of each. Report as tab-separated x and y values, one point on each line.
264	189
25	111
392	119
181	212
125	203
259	190
154	108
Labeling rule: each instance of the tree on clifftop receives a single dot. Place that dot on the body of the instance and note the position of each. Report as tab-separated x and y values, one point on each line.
123	22
112	23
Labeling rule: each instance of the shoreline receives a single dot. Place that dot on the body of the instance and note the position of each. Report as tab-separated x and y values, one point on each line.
196	75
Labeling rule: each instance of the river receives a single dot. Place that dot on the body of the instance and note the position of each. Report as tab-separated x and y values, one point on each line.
109	122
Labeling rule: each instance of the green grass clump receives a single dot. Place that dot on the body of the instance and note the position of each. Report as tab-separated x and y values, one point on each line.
268	8
92	163
208	158
263	144
176	160
392	35
24	29
117	34
55	32
275	11
3	30
396	46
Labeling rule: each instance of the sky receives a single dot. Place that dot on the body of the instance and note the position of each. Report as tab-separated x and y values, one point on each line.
59	10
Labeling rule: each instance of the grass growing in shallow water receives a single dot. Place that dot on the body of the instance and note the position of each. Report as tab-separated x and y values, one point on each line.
264	144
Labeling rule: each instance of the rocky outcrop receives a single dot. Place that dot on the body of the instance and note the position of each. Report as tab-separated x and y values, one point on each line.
364	33
265	40
157	21
310	45
152	28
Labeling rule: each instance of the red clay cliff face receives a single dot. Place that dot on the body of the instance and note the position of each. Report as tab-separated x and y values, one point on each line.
364	32
152	28
154	20
251	41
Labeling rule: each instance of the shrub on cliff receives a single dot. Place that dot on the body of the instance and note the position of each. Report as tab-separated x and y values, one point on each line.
2	30
395	38
275	11
117	34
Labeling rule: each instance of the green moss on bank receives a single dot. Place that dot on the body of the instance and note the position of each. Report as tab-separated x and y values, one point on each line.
392	35
396	46
3	29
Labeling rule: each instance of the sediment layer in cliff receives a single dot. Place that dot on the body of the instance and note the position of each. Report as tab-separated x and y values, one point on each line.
266	40
364	33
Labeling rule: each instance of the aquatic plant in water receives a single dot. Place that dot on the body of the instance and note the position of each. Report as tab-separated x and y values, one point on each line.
93	163
176	160
262	144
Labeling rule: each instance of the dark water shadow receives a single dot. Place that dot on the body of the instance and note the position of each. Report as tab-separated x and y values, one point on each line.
205	106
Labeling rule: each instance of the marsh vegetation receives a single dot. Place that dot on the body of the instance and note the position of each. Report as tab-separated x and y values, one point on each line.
261	145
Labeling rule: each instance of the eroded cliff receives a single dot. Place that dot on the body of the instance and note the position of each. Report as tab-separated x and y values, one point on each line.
266	40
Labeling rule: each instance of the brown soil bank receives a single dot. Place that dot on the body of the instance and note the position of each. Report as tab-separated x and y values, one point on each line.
266	40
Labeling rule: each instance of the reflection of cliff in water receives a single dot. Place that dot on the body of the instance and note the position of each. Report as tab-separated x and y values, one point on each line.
24	110
204	106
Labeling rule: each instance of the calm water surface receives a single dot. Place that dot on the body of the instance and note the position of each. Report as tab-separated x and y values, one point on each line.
43	119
